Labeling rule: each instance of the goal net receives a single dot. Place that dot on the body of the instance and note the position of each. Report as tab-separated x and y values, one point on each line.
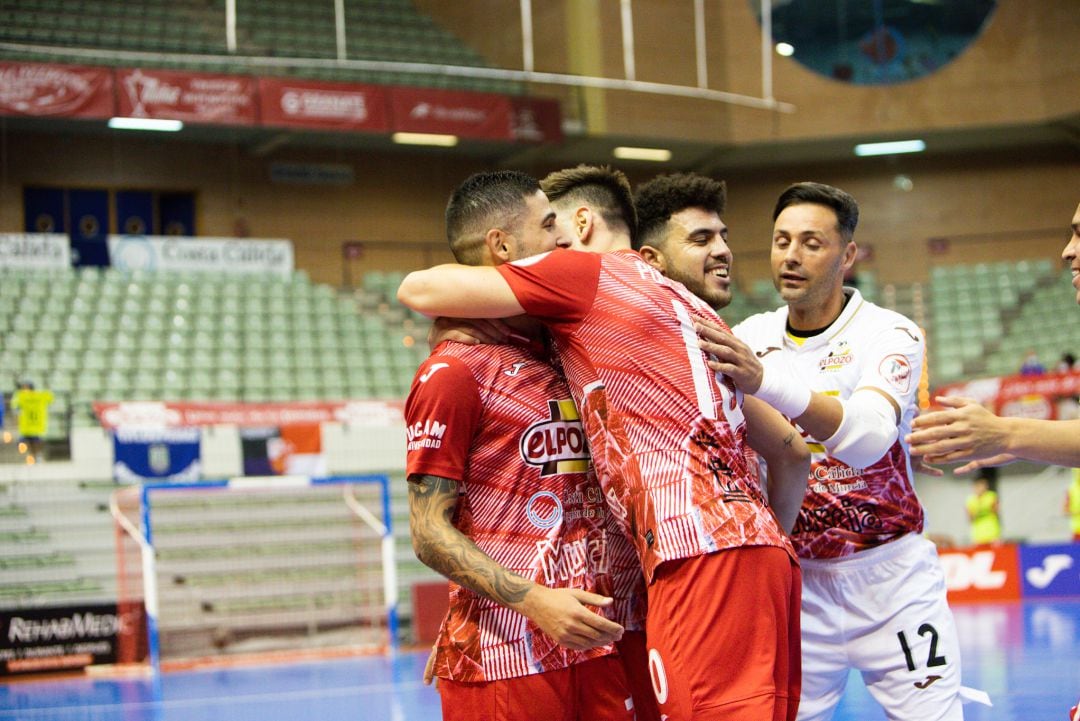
254	565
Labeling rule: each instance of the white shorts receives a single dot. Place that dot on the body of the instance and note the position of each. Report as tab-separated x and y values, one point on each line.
882	611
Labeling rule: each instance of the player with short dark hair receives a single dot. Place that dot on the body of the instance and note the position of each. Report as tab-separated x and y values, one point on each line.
503	502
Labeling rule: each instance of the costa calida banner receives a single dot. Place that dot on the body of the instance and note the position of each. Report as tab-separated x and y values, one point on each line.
217	255
35	250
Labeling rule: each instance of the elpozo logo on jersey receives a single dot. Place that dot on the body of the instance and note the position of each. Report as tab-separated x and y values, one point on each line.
837	359
556	444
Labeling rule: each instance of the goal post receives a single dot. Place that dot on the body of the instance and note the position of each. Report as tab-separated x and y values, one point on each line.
255	564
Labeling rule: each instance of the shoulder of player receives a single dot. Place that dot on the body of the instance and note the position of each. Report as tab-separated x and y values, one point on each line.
759	322
884	323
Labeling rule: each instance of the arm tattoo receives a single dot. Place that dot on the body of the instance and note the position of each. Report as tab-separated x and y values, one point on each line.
790	438
445	549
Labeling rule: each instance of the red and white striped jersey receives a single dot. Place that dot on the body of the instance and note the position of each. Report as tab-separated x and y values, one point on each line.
847	509
667	439
501	422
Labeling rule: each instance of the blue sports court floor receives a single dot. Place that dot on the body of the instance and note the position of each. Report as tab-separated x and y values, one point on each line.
1027	656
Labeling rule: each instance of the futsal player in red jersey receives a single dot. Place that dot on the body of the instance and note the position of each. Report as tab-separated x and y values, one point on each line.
503	501
668	442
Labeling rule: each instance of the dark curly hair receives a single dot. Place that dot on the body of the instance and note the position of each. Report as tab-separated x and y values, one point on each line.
660	198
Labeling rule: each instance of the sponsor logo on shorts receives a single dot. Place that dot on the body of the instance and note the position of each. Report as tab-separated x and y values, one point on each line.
425	434
557	443
929	680
896	370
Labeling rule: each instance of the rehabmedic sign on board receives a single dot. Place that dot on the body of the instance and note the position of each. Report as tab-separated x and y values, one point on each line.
217	255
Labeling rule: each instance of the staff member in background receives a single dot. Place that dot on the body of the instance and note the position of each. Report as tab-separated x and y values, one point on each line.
31	407
983	512
1072	504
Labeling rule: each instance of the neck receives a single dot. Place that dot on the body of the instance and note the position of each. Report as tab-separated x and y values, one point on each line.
817	316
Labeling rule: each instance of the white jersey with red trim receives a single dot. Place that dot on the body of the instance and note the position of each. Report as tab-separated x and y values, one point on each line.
501	422
667	439
850	509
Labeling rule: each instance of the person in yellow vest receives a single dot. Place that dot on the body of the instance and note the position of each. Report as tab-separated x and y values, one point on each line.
982	510
31	407
1072	504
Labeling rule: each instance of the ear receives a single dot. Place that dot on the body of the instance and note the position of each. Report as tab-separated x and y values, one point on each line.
583	224
850	252
654	257
497	242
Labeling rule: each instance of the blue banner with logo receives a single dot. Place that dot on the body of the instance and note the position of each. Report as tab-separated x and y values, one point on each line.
1051	571
167	454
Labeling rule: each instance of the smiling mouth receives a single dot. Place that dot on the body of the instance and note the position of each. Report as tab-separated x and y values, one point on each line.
721	272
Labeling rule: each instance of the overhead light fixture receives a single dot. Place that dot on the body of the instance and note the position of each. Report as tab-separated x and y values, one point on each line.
443	141
159	124
785	49
655	155
895	147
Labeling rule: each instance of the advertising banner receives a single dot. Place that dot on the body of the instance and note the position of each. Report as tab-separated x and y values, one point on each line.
219	255
166	454
35	250
1051	571
56	91
468	115
318	105
1048	396
982	574
165	415
62	637
191	97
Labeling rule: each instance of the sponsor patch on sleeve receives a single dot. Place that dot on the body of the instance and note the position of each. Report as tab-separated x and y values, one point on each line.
897	371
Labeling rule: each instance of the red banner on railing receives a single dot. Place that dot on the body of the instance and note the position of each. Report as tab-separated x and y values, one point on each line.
191	97
57	91
468	115
1026	396
172	415
330	106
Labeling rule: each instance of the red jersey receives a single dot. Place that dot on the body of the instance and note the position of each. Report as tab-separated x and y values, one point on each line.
500	421
667	439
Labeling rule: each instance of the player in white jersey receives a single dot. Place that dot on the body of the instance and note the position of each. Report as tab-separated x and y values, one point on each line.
846	372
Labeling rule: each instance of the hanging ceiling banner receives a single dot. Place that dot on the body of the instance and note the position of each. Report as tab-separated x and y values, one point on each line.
57	91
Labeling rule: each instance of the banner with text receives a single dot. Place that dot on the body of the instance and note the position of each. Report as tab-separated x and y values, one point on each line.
448	112
982	573
57	91
218	255
318	105
165	415
1048	396
62	638
35	250
191	97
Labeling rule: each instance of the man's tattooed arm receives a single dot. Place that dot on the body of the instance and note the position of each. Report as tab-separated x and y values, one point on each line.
562	613
444	548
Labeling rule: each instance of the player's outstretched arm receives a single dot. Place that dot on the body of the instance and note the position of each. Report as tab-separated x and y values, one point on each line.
965	431
786	455
559	612
459	291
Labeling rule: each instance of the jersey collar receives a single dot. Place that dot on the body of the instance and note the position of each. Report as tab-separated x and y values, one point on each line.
855	302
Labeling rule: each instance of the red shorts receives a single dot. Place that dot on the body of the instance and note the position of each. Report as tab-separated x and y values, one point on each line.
635	660
723	632
595	689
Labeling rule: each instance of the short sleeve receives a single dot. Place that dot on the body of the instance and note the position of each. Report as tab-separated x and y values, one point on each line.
895	362
555	287
442	414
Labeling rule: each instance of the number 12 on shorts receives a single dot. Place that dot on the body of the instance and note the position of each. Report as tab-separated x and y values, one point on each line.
933	659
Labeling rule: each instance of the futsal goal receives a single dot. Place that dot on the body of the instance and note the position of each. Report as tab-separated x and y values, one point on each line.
254	566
